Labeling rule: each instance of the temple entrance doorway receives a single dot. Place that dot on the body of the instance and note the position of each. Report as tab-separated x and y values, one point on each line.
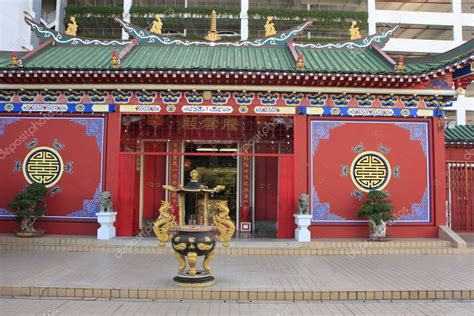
213	171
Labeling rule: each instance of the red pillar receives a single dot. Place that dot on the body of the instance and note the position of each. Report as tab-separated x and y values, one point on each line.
439	173
301	163
286	207
125	206
293	171
112	151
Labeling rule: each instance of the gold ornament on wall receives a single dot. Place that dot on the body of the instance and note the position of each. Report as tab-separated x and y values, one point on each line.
72	26
212	35
269	27
157	25
354	31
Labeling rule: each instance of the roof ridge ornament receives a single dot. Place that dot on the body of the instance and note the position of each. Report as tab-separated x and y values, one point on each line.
400	66
354	31
379	38
71	27
270	27
45	34
15	62
145	37
157	25
212	35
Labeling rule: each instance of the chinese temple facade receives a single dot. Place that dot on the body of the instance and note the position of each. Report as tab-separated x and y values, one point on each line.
269	119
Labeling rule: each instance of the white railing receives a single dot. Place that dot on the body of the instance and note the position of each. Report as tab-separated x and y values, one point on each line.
48	19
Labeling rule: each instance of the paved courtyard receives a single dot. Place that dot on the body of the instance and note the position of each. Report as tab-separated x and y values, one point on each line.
240	272
53	307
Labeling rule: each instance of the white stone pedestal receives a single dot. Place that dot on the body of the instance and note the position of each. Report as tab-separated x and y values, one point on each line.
106	221
302	233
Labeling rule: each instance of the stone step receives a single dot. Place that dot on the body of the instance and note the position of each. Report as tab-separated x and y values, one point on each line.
148	245
236	294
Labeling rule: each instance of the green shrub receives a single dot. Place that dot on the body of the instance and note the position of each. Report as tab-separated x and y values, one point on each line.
28	205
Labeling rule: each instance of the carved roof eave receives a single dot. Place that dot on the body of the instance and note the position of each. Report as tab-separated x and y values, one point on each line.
262	77
45	34
379	39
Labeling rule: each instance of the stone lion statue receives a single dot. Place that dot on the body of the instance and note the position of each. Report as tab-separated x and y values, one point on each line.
303	204
106	202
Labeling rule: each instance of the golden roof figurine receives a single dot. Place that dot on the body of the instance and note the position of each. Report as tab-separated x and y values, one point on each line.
300	62
400	66
157	25
15	61
354	31
269	27
72	26
115	61
212	35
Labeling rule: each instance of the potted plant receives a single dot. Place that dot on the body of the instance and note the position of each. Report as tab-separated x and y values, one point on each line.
28	205
378	210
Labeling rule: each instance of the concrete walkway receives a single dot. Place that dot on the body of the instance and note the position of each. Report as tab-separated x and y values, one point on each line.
252	277
47	306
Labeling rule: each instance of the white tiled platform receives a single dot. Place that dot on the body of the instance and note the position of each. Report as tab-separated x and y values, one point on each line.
238	277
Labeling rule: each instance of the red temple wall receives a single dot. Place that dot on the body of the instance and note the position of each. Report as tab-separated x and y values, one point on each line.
73	200
414	147
460	152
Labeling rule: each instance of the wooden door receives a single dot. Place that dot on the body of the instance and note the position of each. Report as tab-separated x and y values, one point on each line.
266	188
153	180
460	195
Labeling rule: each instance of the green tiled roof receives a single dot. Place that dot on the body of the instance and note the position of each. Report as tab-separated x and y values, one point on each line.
460	134
149	51
364	60
4	62
77	57
199	57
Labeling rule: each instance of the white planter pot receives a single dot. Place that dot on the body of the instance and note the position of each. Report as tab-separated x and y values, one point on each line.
377	231
302	233
106	221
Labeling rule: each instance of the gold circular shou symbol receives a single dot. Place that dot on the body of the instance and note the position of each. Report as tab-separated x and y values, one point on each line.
43	165
370	170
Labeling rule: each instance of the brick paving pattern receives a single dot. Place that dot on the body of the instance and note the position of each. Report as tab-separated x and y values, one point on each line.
52	307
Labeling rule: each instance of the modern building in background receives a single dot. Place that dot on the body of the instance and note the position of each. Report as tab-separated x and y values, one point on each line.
427	27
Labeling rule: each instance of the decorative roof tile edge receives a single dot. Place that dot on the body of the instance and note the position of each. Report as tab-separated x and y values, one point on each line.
465	49
379	39
145	37
461	134
46	34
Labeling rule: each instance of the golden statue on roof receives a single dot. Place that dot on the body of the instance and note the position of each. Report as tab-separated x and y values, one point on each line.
354	31
269	27
157	25
212	35
72	26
